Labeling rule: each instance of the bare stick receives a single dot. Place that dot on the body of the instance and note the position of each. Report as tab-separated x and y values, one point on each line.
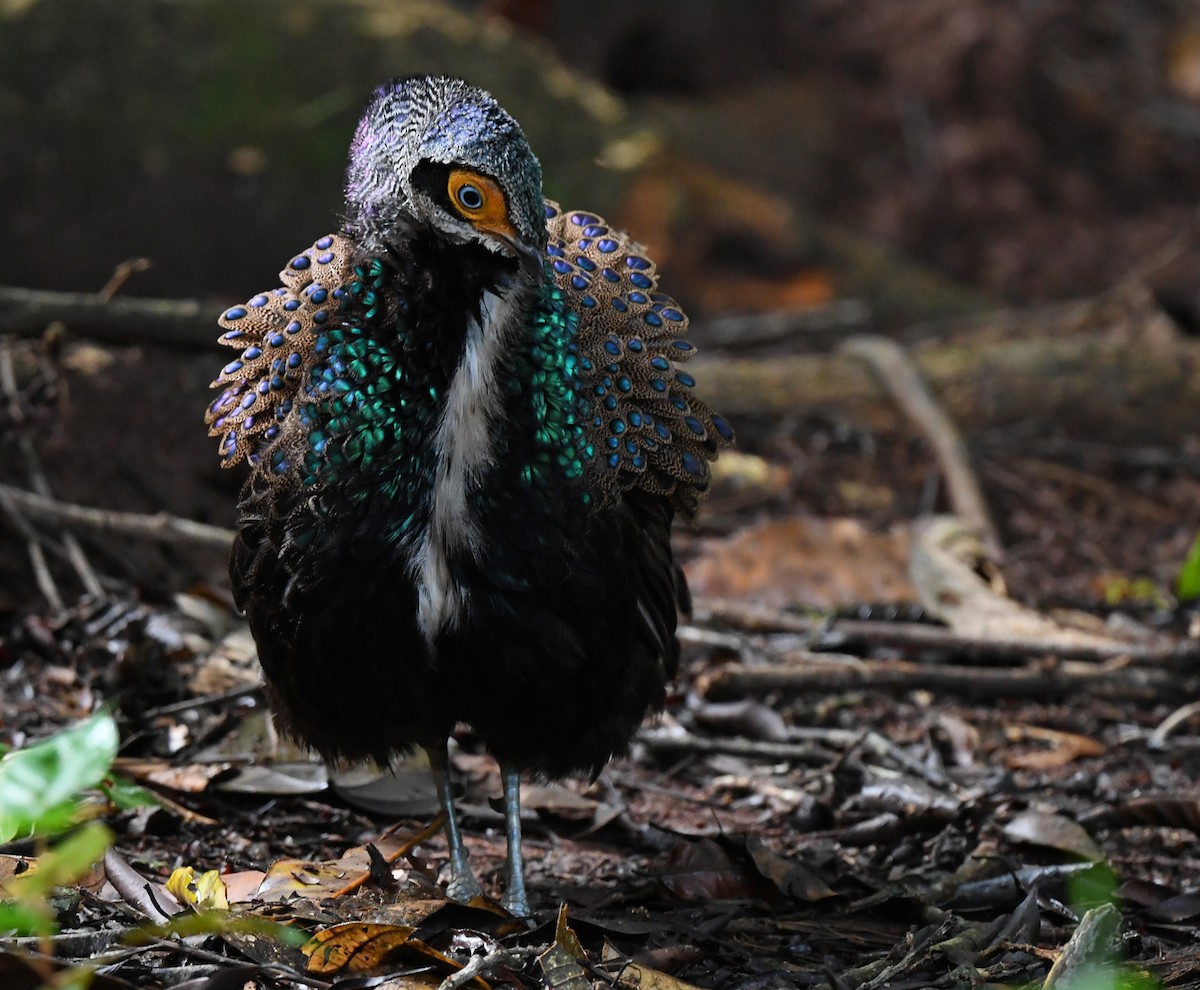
75	554
801	672
37	557
122	320
155	526
899	376
921	636
673	742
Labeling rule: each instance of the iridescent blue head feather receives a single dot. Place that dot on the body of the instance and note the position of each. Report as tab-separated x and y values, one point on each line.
416	124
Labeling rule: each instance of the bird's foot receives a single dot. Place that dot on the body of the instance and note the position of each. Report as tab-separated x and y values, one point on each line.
516	903
464	886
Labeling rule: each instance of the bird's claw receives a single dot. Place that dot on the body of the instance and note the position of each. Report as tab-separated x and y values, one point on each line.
463	886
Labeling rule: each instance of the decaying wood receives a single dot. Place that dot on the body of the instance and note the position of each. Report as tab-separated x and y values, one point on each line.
119	320
801	671
894	369
757	618
1130	375
155	526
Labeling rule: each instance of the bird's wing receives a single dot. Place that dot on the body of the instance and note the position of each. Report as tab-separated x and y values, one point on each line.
651	433
276	331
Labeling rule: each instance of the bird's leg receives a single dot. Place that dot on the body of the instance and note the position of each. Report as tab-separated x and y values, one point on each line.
463	885
514	900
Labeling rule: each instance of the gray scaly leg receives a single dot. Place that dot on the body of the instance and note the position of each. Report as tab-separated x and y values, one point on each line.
463	885
514	900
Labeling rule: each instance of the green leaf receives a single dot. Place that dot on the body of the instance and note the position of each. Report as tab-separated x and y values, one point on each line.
66	862
39	780
23	920
1187	585
127	795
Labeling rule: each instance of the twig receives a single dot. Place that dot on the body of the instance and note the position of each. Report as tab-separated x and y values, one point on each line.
1158	738
155	526
814	329
799	672
121	275
75	554
123	320
37	557
921	636
899	377
676	742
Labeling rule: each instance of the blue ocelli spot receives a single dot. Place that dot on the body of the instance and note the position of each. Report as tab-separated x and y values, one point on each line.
257	301
300	262
606	245
635	262
324	242
292	305
640	280
236	313
684	379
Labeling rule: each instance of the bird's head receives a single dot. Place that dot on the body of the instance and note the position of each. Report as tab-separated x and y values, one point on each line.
435	152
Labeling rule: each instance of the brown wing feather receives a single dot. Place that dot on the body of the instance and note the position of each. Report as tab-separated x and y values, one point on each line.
652	433
276	331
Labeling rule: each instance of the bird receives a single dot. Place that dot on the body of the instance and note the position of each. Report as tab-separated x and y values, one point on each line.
468	434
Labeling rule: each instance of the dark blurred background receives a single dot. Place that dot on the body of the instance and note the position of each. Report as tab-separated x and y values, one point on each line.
1023	150
923	160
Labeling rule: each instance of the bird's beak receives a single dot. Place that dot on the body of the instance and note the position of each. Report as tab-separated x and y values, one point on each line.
530	258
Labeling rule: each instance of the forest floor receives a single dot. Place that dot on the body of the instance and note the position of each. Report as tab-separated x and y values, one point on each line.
895	756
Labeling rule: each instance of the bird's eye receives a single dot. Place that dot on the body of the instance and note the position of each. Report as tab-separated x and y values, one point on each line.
480	200
469	198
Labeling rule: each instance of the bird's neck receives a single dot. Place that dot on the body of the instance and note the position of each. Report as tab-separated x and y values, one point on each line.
453	386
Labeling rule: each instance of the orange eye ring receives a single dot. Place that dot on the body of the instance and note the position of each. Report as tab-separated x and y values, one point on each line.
479	200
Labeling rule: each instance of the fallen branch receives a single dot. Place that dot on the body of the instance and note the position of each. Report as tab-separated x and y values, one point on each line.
755	618
120	320
800	672
155	526
676	742
895	370
37	478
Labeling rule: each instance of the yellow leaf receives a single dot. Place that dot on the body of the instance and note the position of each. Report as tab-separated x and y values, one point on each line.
207	893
